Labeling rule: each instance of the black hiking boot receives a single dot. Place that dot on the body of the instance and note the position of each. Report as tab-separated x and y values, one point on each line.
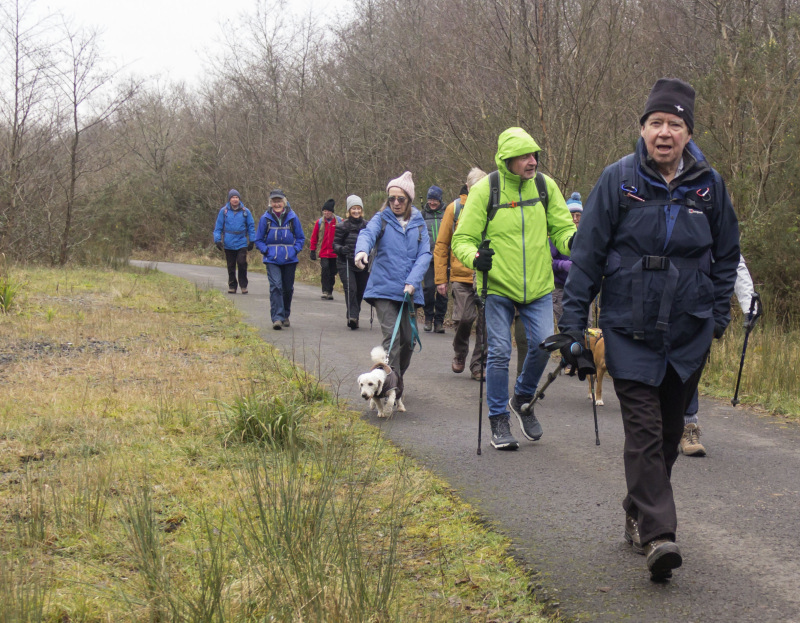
520	406
502	439
663	556
632	534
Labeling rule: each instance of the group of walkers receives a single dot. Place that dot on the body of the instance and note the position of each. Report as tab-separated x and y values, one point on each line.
658	232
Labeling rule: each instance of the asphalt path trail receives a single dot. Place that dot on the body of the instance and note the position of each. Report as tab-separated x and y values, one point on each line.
559	499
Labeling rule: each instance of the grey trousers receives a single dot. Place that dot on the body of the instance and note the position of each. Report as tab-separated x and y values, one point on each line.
465	313
400	355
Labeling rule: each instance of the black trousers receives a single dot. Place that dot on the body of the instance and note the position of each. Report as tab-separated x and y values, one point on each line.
328	267
435	304
354	283
236	259
653	422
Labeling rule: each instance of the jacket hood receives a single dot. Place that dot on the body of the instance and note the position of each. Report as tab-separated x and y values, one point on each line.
511	143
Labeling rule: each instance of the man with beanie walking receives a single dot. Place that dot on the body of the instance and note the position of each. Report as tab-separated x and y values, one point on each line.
234	234
502	234
327	256
435	303
660	235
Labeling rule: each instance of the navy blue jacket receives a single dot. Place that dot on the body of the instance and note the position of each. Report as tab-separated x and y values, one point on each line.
280	240
662	308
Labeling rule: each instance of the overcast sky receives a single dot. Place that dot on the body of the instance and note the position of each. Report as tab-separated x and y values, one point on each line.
170	37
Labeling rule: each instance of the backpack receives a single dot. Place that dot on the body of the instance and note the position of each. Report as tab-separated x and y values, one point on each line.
494	198
374	250
630	200
456	212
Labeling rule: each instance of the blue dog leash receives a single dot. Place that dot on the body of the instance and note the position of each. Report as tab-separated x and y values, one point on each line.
412	318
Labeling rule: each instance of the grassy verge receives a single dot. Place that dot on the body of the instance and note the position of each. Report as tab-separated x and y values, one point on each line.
159	462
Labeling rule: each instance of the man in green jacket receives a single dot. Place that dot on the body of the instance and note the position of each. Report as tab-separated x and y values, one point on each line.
519	276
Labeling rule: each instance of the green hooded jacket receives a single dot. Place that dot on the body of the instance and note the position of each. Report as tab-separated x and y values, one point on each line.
522	265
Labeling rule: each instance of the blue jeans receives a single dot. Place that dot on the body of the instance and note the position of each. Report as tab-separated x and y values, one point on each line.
538	320
690	417
281	289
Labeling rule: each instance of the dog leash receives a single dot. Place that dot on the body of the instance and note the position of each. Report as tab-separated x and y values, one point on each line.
414	331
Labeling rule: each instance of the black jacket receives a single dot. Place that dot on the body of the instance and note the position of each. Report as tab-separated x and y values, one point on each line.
345	237
661	295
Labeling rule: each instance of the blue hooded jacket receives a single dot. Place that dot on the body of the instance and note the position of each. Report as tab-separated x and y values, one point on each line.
235	227
280	240
402	257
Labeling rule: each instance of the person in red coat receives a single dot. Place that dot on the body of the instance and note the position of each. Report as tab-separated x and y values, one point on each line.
327	256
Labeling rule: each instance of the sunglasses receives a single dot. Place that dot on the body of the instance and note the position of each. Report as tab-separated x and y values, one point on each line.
401	199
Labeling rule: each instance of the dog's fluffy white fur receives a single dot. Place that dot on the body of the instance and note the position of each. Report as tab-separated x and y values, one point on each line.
372	383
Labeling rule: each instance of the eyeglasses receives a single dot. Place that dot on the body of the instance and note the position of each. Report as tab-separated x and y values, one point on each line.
401	199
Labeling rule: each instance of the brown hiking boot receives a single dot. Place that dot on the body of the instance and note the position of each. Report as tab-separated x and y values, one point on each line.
663	556
632	534
690	441
458	364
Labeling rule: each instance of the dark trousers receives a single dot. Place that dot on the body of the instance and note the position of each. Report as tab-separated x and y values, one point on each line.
653	422
281	289
328	267
236	259
403	348
435	304
354	283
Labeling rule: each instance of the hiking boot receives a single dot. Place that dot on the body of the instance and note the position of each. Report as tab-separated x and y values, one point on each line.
324	296
277	325
428	326
530	426
663	556
244	290
438	327
690	441
330	296
502	439
285	322
632	534
477	376
458	364
352	323
231	290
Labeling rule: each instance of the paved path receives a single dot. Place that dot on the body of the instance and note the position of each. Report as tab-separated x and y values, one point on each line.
559	499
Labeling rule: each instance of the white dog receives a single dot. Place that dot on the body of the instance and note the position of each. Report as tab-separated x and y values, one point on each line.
382	386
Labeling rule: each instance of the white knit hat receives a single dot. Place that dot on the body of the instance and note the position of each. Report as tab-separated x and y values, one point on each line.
405	182
353	200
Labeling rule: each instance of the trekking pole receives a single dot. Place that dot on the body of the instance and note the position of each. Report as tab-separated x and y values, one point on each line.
550	378
756	310
482	317
594	410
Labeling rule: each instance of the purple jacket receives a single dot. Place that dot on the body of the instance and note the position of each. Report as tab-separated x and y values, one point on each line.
561	264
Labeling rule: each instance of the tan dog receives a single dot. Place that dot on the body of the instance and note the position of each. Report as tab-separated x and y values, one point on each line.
596	343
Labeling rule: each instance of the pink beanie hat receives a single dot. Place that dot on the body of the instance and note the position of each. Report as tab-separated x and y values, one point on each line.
405	182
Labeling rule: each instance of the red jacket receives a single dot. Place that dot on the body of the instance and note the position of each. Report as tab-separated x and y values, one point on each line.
328	229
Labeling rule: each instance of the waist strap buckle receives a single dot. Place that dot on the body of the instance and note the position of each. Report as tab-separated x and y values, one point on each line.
655	262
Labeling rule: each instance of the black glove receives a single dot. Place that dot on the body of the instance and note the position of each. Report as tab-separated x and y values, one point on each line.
575	354
483	260
719	330
219	246
312	255
751	317
250	246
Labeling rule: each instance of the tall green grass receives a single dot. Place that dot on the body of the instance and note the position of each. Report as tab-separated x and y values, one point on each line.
770	375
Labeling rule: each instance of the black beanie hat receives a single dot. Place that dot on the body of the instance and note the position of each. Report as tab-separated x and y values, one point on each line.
329	205
673	96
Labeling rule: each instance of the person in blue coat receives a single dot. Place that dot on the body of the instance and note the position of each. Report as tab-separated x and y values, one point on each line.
234	234
403	253
659	232
280	238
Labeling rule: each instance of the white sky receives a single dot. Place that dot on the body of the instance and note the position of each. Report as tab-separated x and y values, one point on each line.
168	37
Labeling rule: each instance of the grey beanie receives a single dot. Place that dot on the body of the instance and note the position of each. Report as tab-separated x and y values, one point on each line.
354	200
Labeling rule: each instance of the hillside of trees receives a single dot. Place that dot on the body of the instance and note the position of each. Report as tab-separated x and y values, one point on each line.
92	159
